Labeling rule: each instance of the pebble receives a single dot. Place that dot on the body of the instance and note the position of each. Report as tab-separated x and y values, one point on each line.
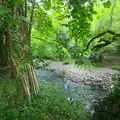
97	77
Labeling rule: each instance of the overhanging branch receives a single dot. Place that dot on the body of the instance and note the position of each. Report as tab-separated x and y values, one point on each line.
99	35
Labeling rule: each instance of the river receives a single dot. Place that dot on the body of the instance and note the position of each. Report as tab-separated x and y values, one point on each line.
77	91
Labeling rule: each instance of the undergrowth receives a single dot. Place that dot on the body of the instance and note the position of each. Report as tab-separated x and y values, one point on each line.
49	104
116	67
109	107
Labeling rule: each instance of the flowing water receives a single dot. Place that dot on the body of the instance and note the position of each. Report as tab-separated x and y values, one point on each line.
76	91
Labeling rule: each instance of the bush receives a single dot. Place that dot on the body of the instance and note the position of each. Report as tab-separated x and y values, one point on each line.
41	50
49	104
116	67
83	61
109	107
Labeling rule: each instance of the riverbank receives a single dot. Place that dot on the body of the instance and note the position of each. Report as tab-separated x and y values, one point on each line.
96	77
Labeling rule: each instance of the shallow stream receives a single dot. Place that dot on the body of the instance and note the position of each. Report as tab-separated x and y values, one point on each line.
77	91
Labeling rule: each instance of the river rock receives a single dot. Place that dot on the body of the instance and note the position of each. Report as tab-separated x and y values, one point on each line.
97	77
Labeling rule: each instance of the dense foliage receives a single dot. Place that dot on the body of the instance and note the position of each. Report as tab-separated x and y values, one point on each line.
64	28
50	104
78	31
109	107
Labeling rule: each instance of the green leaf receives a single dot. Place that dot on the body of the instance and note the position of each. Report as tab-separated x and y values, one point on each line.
4	10
13	21
90	18
16	2
107	4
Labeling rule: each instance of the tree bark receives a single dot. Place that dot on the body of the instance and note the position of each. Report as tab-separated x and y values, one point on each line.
31	20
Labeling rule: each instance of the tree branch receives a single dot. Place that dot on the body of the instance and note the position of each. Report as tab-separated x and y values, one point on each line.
99	35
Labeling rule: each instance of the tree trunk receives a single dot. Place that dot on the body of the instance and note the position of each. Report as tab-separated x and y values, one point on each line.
23	70
30	79
31	20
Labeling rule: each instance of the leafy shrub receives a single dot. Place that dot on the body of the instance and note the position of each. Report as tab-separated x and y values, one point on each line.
118	47
61	53
50	104
109	50
83	61
109	107
116	67
42	50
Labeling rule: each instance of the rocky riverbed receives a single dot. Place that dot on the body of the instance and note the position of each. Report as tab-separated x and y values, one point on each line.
96	77
80	83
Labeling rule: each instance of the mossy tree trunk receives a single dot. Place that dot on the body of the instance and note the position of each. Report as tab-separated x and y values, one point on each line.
21	66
